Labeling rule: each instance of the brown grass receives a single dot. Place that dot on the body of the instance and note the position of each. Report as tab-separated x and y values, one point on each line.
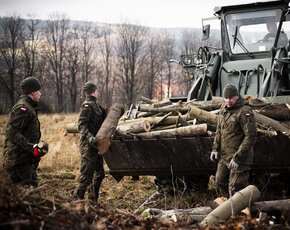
59	171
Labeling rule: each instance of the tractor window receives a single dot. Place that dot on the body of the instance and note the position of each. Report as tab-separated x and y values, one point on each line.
254	31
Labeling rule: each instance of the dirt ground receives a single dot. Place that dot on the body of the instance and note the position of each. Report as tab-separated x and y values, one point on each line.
49	206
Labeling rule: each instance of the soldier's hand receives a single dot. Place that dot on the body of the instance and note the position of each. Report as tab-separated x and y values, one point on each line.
214	155
40	149
233	165
93	141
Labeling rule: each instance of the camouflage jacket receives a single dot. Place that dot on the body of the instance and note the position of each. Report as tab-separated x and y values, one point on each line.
23	131
91	118
236	133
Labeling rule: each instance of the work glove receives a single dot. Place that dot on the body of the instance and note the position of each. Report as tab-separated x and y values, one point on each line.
40	149
214	155
93	141
233	165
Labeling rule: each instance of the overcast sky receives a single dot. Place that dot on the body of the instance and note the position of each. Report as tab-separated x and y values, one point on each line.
153	13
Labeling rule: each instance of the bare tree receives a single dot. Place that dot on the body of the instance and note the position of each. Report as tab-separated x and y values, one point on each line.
10	44
130	53
30	48
86	35
190	41
73	65
167	53
56	32
154	63
106	51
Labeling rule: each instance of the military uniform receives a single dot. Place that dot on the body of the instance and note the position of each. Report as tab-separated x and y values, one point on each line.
234	140
23	131
91	118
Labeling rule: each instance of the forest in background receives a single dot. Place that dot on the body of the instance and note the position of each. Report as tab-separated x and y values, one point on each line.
125	60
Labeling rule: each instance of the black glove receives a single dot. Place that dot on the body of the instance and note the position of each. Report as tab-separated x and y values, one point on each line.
93	142
40	149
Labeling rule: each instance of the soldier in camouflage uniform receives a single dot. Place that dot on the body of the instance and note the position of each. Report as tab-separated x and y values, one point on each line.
91	118
21	149
233	144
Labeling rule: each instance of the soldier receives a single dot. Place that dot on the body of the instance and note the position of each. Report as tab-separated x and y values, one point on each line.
22	150
91	118
233	144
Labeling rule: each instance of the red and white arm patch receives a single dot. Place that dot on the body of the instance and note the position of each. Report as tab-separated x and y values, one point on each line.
22	109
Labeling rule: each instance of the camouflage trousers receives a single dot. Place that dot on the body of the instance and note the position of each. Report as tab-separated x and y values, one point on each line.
229	180
23	174
92	175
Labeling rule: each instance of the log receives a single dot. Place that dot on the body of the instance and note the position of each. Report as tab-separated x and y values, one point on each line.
271	123
72	128
270	206
196	214
166	109
162	103
202	115
147	100
191	130
136	127
276	112
232	206
109	127
156	119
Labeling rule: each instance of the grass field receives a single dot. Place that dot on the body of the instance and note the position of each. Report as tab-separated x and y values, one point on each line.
59	171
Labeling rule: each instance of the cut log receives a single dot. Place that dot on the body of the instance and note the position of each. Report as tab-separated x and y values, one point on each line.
191	130
147	100
72	128
271	123
136	127
276	112
162	103
196	214
166	109
109	127
273	205
155	120
232	206
202	115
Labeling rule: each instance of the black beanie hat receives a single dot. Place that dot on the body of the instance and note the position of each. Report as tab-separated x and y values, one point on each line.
89	88
29	85
230	91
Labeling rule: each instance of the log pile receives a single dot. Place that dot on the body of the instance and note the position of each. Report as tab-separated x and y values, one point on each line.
169	119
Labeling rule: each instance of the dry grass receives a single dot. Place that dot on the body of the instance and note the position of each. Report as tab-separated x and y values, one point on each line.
59	171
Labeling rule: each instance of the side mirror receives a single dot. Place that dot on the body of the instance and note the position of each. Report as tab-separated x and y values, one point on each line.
205	32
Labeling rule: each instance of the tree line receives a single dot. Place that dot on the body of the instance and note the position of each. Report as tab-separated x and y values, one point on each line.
126	61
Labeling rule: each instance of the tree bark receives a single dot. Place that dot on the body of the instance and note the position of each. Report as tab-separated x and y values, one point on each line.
273	205
181	131
136	127
109	127
202	115
270	123
237	203
72	128
277	112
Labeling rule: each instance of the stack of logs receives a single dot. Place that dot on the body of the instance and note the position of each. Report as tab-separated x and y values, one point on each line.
168	119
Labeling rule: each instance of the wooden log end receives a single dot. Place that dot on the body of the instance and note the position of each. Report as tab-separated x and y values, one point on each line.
147	126
103	145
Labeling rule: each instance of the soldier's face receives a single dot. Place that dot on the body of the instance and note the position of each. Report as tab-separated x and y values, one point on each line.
35	96
231	101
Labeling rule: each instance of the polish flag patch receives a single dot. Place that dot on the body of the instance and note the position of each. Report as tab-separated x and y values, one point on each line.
23	109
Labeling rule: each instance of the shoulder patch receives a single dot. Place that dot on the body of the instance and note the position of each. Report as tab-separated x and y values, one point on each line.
86	106
22	109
